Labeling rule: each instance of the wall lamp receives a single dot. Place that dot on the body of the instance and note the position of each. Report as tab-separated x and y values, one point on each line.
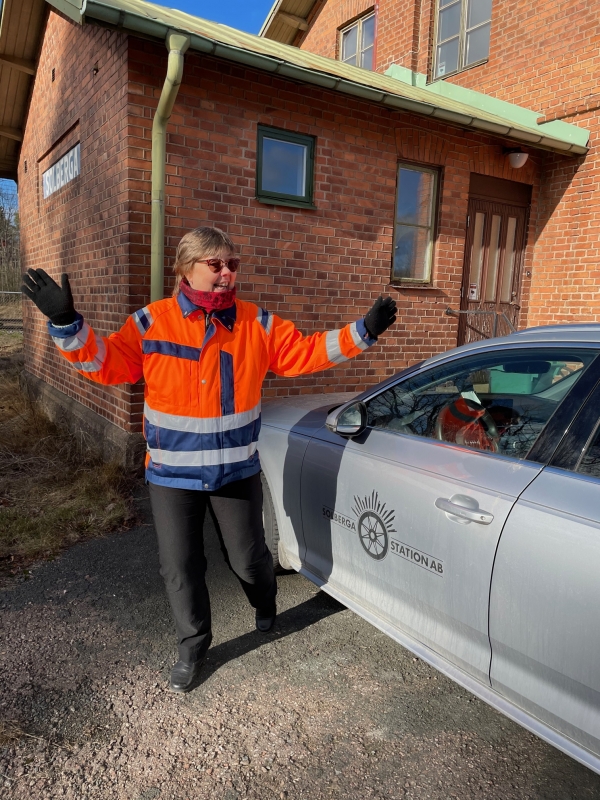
516	157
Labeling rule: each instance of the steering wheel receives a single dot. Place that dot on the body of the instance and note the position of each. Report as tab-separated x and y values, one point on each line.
464	421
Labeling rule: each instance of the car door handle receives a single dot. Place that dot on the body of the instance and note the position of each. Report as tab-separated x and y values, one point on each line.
463	512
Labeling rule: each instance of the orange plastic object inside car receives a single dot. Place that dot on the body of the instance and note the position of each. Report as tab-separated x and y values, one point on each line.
465	422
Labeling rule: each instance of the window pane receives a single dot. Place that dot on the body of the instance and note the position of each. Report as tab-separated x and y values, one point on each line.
478	44
411	253
494	255
447	58
367	58
415	194
590	460
498	402
368	32
349	44
476	257
283	167
479	11
508	262
449	22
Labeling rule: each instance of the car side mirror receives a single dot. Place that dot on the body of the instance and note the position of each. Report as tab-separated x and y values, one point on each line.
348	420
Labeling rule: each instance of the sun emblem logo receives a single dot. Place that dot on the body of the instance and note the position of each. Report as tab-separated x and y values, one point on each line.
374	525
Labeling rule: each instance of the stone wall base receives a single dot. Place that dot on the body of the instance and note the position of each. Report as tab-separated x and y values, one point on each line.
104	437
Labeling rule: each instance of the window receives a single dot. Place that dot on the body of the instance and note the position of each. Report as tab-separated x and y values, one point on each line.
414	224
358	43
498	402
589	461
284	169
462	35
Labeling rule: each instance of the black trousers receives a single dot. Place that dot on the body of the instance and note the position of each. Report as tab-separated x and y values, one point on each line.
236	510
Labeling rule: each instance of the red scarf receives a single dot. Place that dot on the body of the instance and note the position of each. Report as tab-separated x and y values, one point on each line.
208	301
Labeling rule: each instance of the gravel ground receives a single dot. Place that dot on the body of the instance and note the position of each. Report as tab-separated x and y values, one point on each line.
323	706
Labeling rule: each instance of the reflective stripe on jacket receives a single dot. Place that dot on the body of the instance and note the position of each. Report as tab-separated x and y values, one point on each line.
203	381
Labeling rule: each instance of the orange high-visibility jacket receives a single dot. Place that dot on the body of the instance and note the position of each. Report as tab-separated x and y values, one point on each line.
203	376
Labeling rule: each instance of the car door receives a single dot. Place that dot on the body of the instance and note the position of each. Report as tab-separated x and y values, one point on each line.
545	591
406	518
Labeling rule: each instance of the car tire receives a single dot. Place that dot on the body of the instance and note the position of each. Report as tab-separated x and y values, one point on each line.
280	561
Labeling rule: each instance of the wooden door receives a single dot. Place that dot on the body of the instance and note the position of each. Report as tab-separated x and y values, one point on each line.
492	268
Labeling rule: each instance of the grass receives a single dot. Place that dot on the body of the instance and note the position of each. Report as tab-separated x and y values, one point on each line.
10	732
53	490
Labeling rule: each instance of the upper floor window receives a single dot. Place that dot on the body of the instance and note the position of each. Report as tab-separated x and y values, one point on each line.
462	35
358	43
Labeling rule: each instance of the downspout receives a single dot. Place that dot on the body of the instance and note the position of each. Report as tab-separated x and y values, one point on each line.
177	44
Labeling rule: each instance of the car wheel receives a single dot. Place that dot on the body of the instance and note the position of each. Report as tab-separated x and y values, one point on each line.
280	561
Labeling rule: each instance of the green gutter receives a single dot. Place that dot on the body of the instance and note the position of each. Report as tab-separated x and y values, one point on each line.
500	108
177	44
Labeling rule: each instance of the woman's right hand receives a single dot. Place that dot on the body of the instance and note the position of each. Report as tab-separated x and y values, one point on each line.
379	318
55	301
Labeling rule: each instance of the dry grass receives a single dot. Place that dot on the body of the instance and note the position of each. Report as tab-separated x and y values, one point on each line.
53	490
10	732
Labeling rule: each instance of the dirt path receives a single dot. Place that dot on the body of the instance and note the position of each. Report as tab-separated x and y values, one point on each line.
325	706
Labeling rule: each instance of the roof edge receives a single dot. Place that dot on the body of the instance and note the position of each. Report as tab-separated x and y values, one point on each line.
270	17
144	18
70	8
501	108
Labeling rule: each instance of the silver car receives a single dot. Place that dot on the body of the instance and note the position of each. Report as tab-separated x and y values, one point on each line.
456	507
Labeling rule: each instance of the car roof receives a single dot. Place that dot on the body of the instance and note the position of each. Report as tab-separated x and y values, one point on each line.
579	333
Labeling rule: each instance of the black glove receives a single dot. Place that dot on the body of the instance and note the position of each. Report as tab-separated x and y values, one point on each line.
52	300
380	316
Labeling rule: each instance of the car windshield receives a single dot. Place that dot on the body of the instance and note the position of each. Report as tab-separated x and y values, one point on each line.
498	402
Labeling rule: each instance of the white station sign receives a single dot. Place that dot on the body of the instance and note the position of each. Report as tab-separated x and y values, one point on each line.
61	173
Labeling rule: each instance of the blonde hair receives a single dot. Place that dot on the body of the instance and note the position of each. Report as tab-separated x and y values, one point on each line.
196	245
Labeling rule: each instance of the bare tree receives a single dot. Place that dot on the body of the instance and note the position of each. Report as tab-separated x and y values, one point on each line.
10	257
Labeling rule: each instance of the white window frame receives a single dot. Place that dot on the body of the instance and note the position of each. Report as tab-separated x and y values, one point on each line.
358	23
462	39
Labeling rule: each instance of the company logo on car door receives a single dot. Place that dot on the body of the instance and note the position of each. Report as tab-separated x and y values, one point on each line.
372	521
417	557
374	524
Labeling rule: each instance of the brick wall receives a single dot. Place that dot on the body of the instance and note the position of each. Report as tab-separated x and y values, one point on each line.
324	22
321	268
397	29
543	56
83	229
566	274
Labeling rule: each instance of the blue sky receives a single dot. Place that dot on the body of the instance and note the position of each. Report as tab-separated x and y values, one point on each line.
247	15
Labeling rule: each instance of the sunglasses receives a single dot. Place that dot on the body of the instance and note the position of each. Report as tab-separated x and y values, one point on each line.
217	264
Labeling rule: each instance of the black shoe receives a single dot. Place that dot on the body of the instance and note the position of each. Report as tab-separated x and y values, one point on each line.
184	675
265	618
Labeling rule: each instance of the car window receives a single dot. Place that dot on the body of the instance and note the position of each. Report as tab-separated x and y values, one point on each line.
589	461
496	402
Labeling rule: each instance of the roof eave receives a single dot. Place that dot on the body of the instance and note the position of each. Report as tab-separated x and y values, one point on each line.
270	17
147	26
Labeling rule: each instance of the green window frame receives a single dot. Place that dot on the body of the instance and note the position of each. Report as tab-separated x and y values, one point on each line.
302	152
415	219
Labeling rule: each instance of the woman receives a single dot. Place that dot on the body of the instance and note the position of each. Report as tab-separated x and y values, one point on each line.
204	355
